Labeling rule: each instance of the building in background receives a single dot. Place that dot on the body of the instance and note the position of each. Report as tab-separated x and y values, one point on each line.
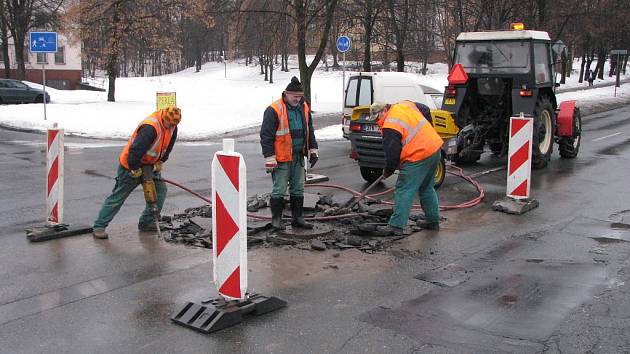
63	69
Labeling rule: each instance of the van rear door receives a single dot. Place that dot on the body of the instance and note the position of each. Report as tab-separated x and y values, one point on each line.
359	92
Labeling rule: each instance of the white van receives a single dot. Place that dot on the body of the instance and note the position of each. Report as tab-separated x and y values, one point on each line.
387	87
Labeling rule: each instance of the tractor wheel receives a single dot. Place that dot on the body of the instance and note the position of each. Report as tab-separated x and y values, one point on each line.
440	172
542	142
570	146
370	174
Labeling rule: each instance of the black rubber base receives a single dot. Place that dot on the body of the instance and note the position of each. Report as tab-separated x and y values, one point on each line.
515	206
220	313
45	233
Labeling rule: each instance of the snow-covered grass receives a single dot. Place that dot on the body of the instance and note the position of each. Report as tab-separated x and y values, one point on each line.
220	98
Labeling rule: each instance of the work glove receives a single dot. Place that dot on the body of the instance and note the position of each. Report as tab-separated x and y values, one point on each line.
387	173
135	173
157	167
270	163
313	157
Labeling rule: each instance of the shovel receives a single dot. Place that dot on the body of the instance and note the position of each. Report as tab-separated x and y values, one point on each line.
354	201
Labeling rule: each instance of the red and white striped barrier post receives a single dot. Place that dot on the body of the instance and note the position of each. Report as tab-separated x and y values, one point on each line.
520	157
519	173
229	222
229	254
54	177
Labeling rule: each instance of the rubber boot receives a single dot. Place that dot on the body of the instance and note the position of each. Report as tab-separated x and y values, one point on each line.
297	213
277	206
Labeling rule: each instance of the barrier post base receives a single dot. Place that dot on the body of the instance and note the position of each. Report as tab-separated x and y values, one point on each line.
51	232
217	314
515	206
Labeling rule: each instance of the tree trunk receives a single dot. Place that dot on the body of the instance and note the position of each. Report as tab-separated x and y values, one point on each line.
582	65
5	55
367	50
19	56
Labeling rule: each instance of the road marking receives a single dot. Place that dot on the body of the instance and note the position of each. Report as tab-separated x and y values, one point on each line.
607	136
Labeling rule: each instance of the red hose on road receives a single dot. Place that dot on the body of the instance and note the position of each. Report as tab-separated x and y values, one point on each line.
458	172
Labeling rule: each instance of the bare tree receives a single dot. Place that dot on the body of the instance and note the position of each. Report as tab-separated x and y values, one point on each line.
306	14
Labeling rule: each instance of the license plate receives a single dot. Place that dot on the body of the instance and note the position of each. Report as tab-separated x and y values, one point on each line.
449	101
371	128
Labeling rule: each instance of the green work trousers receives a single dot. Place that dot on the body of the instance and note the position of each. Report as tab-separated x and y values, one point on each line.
416	178
289	173
125	184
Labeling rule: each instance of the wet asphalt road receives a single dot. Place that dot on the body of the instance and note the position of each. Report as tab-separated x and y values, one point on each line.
554	281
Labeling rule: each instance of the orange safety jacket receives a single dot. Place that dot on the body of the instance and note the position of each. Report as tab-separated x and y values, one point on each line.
283	143
419	139
159	145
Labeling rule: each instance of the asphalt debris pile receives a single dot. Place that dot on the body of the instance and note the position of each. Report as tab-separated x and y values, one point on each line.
355	228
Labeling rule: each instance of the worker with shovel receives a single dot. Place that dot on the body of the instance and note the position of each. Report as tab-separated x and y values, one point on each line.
411	143
286	137
150	145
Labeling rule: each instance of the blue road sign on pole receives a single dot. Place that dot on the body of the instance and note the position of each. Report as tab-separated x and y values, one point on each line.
343	44
43	42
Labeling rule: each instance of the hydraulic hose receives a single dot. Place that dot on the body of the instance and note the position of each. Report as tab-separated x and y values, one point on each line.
457	172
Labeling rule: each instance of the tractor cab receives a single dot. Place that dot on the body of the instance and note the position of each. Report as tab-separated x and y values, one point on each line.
496	75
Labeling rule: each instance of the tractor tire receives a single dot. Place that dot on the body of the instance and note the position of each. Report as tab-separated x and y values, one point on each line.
570	146
542	140
440	172
370	174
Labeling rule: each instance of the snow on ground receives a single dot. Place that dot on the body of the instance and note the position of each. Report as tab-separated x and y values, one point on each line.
220	98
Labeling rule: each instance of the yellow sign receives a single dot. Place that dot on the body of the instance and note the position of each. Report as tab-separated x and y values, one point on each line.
449	101
165	100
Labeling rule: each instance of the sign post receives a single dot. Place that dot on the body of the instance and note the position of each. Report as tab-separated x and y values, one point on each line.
618	53
43	42
343	45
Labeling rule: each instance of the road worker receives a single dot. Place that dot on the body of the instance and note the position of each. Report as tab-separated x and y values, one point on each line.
286	138
150	144
411	144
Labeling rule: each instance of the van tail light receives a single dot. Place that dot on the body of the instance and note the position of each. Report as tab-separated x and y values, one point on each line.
450	91
355	127
525	93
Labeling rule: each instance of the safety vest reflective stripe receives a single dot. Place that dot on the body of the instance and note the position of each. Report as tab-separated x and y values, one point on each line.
282	129
411	131
154	149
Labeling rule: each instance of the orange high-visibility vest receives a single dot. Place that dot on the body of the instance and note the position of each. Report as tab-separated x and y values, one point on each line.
419	139
283	143
159	145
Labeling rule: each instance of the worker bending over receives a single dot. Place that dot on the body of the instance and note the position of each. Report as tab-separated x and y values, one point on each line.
411	143
150	144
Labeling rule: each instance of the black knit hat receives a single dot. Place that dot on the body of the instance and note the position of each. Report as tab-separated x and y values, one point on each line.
295	86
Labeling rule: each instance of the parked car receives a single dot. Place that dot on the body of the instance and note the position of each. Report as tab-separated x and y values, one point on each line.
15	91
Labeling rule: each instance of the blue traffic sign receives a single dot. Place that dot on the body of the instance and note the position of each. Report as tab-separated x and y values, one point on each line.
343	44
43	42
